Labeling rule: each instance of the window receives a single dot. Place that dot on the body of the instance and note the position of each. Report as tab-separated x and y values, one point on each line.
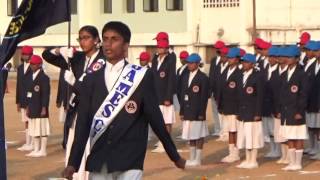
150	5
12	6
74	6
107	8
174	5
221	3
130	6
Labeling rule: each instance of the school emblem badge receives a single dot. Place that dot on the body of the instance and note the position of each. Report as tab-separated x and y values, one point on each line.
195	89
131	107
162	74
96	66
37	88
232	84
249	90
294	88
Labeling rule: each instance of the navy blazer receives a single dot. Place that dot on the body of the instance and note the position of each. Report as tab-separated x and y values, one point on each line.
123	145
164	78
228	95
275	84
251	97
213	74
294	97
312	89
23	79
179	81
194	97
39	89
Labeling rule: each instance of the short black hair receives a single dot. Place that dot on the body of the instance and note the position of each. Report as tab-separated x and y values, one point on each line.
120	28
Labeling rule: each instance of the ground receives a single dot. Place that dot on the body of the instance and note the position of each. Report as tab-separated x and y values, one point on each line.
157	166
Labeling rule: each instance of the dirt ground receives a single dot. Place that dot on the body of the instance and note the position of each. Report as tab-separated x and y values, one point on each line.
157	166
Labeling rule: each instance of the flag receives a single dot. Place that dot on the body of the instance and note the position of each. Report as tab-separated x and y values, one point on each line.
32	19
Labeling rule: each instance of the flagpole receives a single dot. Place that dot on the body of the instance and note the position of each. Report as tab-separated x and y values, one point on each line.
3	161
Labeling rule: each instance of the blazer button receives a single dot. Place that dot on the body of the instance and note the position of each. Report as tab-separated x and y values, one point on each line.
111	126
109	142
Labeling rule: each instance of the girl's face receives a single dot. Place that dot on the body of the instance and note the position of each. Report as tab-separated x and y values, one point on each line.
87	42
35	67
272	60
247	65
233	61
193	66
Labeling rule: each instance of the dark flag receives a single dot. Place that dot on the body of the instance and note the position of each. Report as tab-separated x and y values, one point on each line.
32	19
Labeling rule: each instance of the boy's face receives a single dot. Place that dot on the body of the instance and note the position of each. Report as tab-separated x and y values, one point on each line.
247	65
162	51
143	63
35	67
25	57
192	66
291	61
272	60
183	61
114	47
233	61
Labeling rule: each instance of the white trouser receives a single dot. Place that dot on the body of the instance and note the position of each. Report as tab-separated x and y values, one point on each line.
134	174
215	116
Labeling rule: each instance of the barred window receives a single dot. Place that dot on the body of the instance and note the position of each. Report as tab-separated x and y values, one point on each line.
130	6
150	5
107	6
174	5
221	3
74	6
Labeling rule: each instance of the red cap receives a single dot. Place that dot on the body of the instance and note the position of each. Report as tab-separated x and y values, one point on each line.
257	41
27	50
264	45
162	36
144	56
242	52
183	55
35	59
224	51
163	44
219	45
304	38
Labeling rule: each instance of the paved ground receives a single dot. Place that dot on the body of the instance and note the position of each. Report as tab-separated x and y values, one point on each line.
157	166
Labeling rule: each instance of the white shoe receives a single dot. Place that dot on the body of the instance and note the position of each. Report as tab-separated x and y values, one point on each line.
191	163
282	161
158	149
266	139
288	168
251	165
32	153
215	134
29	147
24	147
292	168
242	164
230	159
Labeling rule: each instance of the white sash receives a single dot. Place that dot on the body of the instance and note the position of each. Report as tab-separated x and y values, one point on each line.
125	86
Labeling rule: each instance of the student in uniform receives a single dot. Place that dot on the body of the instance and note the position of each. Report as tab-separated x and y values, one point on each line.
164	71
194	90
215	62
229	102
62	96
309	68
268	107
38	95
144	59
23	80
293	103
80	63
250	133
316	96
116	119
181	72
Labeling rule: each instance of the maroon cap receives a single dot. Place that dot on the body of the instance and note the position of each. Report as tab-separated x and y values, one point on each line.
27	50
304	38
224	51
163	44
144	56
162	36
183	55
219	44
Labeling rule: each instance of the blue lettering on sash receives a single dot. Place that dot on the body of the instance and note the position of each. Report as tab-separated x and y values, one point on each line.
97	126
116	98
108	108
130	75
123	88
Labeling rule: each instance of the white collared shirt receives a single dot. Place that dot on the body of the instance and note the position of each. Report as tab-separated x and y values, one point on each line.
310	61
182	69
230	71
191	76
282	70
271	69
160	61
223	67
25	67
302	56
112	73
265	63
218	60
257	57
35	74
89	60
246	75
290	72
317	67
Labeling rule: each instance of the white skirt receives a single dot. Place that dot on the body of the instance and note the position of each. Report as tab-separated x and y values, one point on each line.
268	125
250	135
168	114
39	127
193	130
313	120
298	132
24	117
230	122
278	131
